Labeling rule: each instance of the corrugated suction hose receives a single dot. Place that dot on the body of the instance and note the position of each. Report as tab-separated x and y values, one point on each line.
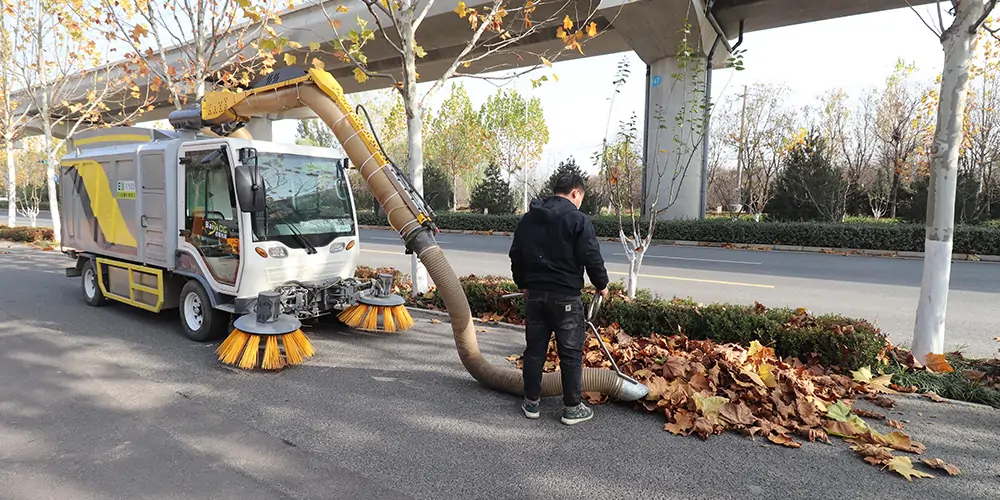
327	100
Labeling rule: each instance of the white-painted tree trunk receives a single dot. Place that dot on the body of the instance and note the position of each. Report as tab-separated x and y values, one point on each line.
52	157
414	133
635	250
959	42
11	185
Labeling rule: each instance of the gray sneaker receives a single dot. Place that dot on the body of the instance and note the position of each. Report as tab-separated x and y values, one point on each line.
530	408
576	414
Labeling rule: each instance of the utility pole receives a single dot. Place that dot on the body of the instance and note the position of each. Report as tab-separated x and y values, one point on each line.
737	204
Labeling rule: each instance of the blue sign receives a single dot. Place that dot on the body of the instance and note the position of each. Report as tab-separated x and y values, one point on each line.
657	79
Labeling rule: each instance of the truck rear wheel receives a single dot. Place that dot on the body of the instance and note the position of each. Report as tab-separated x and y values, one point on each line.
92	294
199	320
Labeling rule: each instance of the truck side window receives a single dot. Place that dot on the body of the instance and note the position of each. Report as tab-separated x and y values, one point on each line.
210	213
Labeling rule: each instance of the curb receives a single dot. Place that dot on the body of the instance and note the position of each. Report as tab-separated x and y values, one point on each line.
755	247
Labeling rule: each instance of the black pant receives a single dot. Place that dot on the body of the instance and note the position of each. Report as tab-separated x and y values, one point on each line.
548	312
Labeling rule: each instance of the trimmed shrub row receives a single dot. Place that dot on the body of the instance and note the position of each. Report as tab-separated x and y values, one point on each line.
833	340
979	240
26	234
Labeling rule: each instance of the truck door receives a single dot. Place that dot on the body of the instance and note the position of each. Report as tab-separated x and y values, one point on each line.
209	218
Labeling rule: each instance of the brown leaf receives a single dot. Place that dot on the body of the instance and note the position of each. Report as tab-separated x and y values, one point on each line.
904	467
869	414
933	396
737	414
875	451
675	366
899	441
896	424
657	387
882	401
938	363
700	383
937	463
841	429
783	440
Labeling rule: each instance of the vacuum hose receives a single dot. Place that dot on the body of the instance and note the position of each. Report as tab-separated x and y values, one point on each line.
326	99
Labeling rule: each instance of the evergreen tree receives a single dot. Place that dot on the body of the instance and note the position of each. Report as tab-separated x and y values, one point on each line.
438	190
809	187
591	202
493	194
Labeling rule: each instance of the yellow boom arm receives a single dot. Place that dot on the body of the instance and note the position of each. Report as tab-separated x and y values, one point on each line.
318	90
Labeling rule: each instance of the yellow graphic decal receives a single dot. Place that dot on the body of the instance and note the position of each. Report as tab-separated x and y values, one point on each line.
112	138
103	203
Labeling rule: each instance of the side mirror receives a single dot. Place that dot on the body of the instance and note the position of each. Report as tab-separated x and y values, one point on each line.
249	183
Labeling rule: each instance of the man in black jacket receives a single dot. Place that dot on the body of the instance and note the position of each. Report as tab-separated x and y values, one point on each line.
553	244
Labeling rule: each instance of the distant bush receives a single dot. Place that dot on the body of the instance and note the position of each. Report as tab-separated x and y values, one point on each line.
979	239
26	234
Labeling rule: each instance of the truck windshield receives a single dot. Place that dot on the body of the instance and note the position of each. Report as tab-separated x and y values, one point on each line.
307	198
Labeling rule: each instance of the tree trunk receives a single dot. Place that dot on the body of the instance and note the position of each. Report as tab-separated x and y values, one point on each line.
52	159
454	191
414	132
11	183
958	42
633	272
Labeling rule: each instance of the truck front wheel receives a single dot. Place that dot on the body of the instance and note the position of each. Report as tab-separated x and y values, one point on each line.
91	288
200	321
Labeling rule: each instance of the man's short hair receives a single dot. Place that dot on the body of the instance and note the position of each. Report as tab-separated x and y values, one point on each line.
567	182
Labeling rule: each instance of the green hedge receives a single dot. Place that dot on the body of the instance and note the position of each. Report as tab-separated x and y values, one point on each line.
831	339
980	240
26	234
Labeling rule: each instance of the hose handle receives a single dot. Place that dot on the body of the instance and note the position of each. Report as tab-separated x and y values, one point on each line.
594	306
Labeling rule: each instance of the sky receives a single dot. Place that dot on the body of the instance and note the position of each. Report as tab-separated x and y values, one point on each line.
852	53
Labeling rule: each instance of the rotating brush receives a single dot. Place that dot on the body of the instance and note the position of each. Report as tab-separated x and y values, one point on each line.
278	335
378	311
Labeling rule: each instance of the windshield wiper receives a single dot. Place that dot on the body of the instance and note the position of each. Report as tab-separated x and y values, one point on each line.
295	232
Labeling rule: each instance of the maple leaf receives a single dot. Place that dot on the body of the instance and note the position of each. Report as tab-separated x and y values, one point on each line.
842	429
314	46
899	441
419	51
882	401
838	411
937	463
295	45
658	386
869	414
138	32
289	59
592	29
878	453
683	424
938	364
704	426
783	440
567	23
737	414
904	467
766	373
461	9
343	8
318	64
700	383
895	424
863	375
675	366
709	406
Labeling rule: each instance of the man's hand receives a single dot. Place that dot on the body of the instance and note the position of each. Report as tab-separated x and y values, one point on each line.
604	293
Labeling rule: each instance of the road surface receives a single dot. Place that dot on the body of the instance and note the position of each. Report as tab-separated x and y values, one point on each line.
883	290
112	402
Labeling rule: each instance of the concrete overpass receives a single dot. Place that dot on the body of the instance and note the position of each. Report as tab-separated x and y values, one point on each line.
649	27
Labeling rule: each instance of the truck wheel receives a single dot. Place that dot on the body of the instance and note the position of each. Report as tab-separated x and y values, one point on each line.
200	322
91	288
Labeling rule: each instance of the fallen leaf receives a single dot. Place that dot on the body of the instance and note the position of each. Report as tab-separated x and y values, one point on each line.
878	452
869	414
863	375
899	441
435	320
938	363
709	406
783	440
895	424
737	414
657	387
882	401
933	396
937	463
842	429
675	366
838	411
904	467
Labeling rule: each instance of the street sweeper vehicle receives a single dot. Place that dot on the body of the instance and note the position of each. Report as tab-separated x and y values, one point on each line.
244	198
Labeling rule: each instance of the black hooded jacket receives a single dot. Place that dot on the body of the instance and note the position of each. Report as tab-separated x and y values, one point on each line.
553	244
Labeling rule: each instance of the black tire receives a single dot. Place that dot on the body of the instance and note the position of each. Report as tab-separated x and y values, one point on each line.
213	321
91	289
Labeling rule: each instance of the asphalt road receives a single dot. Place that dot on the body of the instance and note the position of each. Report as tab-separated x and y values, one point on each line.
883	290
113	402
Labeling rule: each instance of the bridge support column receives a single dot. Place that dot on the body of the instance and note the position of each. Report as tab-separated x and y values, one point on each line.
675	125
262	129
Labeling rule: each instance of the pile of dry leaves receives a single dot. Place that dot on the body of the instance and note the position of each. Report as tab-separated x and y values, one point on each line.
705	388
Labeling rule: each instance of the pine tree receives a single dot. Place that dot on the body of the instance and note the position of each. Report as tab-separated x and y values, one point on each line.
809	186
591	202
493	194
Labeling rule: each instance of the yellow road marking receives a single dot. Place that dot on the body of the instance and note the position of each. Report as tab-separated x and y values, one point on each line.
696	280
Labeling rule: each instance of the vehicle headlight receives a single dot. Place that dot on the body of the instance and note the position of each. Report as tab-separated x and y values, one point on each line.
337	247
277	252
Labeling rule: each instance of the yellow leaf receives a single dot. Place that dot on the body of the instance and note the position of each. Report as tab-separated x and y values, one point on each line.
755	346
461	10
767	375
314	46
904	467
592	29
295	45
342	8
318	64
419	51
710	406
560	33
546	62
289	59
360	75
863	375
937	363
567	23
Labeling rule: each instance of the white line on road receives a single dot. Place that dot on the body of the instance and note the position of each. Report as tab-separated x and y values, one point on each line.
720	261
397	240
